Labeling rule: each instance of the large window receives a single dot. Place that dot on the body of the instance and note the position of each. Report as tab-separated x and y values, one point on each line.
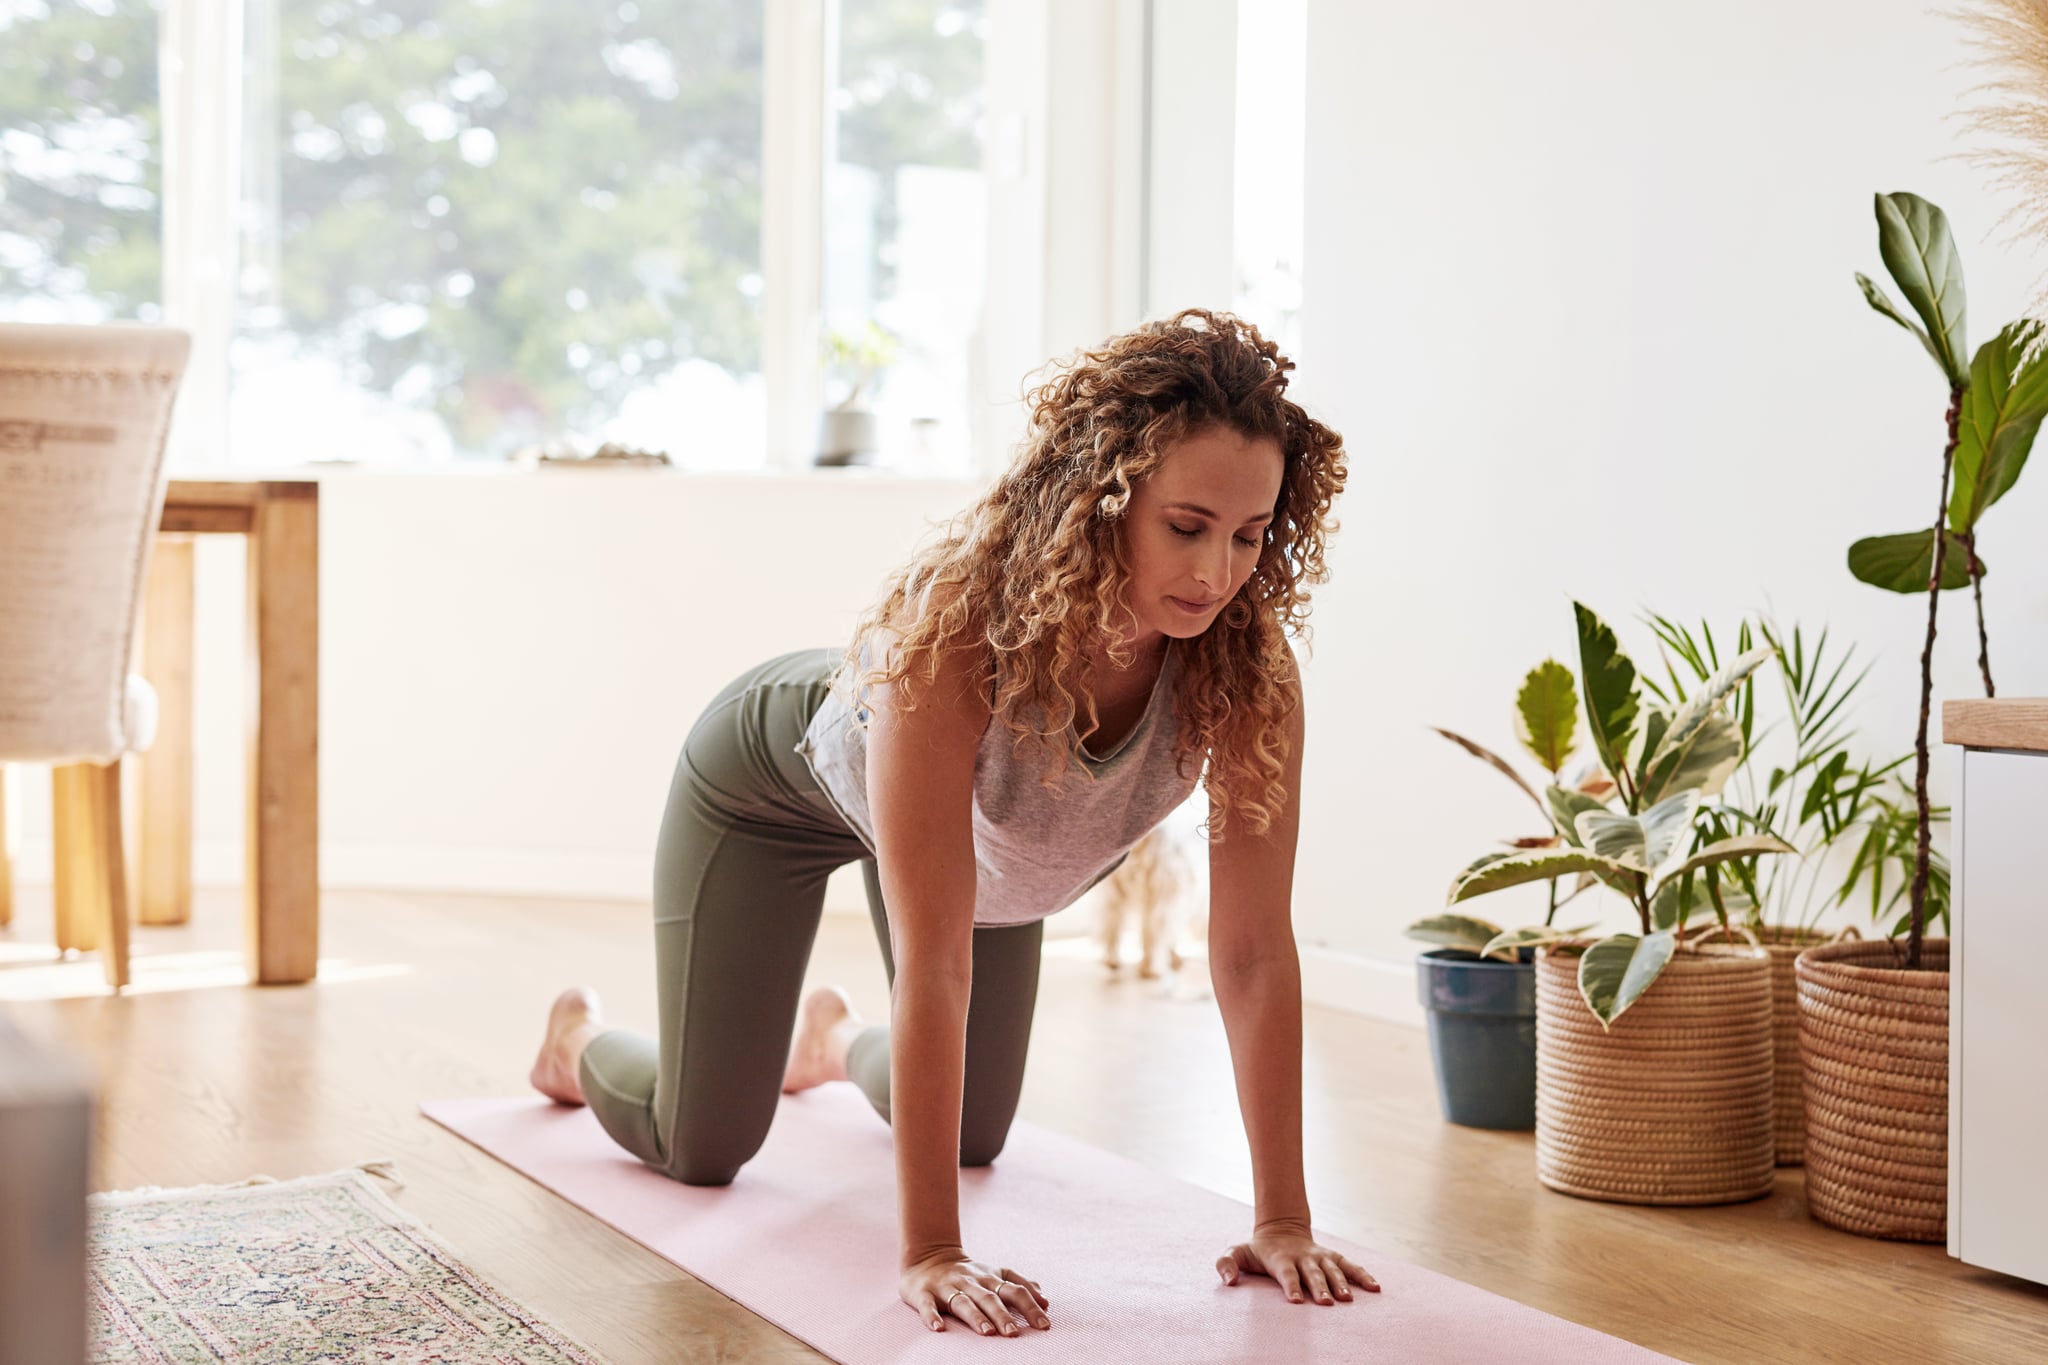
1270	171
906	217
471	226
421	231
81	169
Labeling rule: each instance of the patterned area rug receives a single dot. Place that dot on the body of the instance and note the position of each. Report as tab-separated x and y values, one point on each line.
323	1268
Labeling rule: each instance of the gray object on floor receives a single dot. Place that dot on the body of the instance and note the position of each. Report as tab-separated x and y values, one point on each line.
46	1134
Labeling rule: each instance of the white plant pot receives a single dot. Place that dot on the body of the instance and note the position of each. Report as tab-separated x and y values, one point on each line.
846	436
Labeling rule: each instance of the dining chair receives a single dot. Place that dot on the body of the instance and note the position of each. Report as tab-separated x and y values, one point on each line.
84	413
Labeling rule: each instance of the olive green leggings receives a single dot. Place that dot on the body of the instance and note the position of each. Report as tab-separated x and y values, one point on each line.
747	841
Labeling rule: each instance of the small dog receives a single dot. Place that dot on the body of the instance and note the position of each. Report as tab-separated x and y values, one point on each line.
1156	883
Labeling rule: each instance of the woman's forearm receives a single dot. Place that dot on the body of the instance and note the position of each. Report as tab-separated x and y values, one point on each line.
927	1060
1261	1007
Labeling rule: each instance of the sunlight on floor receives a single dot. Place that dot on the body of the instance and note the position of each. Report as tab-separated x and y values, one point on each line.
1190	983
36	972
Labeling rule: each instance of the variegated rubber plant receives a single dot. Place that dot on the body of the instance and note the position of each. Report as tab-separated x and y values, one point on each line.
1546	724
1662	762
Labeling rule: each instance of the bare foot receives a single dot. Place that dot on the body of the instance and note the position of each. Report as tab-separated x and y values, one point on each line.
825	1030
572	1022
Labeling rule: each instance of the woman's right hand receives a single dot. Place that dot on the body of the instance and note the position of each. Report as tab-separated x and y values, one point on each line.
953	1284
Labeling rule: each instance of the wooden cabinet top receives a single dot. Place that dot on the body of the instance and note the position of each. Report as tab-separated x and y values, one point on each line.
1997	723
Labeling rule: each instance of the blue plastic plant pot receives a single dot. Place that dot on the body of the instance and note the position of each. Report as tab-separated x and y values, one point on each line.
1482	1036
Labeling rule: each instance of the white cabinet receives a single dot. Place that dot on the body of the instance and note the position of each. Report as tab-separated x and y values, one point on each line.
1998	1009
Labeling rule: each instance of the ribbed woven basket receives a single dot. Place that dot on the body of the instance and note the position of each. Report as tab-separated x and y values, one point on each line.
1788	1105
1673	1104
1873	1041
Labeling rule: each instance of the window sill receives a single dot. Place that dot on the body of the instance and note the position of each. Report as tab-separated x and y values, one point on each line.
495	470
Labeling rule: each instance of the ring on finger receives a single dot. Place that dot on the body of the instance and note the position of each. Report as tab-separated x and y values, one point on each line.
954	1295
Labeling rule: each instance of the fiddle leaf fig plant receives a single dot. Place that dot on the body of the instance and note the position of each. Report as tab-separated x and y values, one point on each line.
1997	401
1655	849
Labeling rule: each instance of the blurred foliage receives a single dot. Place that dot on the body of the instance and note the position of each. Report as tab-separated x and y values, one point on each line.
81	171
496	209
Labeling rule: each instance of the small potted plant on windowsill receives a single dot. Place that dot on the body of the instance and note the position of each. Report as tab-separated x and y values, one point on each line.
847	430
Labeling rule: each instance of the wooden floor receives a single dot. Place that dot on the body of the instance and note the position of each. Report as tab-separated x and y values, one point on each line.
205	1080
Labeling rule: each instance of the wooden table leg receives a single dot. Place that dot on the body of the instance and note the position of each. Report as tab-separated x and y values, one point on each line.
110	867
282	895
166	770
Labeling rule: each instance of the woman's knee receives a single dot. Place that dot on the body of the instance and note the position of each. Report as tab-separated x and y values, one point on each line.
981	1149
699	1169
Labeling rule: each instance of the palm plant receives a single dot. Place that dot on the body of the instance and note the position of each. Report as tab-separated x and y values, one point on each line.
1813	797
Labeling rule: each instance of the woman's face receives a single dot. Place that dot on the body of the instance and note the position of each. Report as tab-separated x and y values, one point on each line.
1194	530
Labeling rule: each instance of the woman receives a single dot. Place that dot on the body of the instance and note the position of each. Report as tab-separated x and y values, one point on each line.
1028	698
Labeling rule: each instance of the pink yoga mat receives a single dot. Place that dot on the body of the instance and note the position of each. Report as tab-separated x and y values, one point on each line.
805	1236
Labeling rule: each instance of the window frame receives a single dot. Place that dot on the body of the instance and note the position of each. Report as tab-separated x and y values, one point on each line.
200	55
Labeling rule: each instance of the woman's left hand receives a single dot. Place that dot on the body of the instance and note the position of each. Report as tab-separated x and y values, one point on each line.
1289	1255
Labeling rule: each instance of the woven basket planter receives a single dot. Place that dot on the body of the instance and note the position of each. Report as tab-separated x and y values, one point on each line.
1672	1105
1788	1105
1873	1043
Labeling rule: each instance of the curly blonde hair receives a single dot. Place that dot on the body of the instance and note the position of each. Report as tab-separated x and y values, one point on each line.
1036	568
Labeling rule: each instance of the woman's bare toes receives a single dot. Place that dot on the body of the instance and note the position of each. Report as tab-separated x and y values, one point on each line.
572	1022
825	1030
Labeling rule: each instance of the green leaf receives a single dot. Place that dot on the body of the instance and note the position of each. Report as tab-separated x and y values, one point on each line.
1675	903
1656	720
1453	931
1666	824
1642	842
1486	755
1614	973
1879	300
1920	253
1610	682
1728	850
1523	868
1565	808
1693	726
1514	940
1546	714
1705	765
1904	562
2002	412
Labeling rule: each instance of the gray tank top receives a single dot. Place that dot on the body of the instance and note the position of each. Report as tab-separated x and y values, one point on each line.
1034	852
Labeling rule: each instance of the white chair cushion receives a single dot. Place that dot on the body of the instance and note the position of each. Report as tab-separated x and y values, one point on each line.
83	416
138	714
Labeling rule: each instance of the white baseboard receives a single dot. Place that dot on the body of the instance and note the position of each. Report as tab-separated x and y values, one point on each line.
1376	987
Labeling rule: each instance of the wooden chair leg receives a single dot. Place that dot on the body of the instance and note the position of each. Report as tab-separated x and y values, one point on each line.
71	829
6	857
92	870
112	880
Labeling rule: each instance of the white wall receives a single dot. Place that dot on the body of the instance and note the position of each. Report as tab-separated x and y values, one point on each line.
1578	294
510	660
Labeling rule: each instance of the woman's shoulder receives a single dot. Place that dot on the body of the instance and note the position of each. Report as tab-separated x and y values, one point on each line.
956	678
